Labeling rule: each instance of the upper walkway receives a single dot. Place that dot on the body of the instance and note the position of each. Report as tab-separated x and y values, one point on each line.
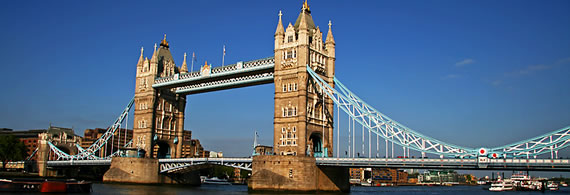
240	74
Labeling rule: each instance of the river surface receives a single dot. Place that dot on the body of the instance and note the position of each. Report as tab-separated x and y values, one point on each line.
242	189
127	189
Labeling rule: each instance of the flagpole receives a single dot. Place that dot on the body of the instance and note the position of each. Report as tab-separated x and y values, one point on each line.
193	58
224	55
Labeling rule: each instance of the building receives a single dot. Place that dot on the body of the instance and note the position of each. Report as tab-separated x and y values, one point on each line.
360	176
216	154
439	177
196	149
90	136
388	175
28	137
59	135
263	150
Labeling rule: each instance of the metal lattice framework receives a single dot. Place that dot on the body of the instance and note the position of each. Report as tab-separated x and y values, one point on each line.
393	131
180	164
89	153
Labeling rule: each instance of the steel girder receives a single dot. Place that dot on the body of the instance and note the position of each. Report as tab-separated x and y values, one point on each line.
175	165
550	142
389	129
89	153
382	125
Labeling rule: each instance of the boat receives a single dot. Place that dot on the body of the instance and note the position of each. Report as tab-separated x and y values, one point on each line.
552	186
214	180
30	185
501	185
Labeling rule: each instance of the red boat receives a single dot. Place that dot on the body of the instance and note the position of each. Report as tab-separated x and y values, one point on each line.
68	186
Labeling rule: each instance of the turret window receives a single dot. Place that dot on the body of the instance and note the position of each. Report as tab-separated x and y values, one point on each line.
290	39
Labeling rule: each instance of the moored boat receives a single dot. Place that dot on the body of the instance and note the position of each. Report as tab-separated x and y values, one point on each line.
215	180
68	186
501	185
552	186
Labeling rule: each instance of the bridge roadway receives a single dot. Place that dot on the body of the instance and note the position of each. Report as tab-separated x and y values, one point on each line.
174	165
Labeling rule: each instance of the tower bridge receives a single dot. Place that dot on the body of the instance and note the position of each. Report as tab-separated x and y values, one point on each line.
306	94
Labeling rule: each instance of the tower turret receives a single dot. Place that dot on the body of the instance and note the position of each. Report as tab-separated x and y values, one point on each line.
184	68
141	58
330	44
279	32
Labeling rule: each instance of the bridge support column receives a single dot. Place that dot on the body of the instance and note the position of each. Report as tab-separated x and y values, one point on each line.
296	173
43	158
145	171
132	170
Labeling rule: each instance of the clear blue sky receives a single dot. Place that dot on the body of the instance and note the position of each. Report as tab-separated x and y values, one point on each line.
472	73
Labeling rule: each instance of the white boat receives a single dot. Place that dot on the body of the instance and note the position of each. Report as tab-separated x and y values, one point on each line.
563	184
501	185
214	180
552	186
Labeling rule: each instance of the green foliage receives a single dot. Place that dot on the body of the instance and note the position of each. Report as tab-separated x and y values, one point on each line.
11	149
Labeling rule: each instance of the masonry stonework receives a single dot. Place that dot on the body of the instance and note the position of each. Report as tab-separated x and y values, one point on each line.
303	118
159	113
296	173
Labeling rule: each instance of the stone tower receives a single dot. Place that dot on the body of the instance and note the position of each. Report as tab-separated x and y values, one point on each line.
302	125
159	113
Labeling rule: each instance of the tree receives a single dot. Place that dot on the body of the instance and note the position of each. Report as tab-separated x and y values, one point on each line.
11	149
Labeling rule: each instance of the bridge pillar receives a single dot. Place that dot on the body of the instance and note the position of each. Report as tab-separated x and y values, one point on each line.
43	157
297	174
132	170
145	171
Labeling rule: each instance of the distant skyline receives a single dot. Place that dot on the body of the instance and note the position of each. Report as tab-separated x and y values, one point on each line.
471	73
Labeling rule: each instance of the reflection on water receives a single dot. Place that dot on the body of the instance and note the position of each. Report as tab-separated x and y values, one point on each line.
99	188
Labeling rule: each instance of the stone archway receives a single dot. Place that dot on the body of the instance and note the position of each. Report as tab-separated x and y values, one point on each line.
316	144
164	150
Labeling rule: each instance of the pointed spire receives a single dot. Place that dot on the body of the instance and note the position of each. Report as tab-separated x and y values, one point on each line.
154	58
280	29
306	6
305	20
164	43
184	68
330	38
141	59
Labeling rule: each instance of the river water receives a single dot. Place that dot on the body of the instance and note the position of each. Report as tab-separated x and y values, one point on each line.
131	189
242	189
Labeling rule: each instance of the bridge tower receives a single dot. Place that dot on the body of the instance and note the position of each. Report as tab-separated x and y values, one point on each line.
159	113
301	125
303	117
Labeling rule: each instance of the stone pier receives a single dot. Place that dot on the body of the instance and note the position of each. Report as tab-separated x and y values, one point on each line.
296	174
145	171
